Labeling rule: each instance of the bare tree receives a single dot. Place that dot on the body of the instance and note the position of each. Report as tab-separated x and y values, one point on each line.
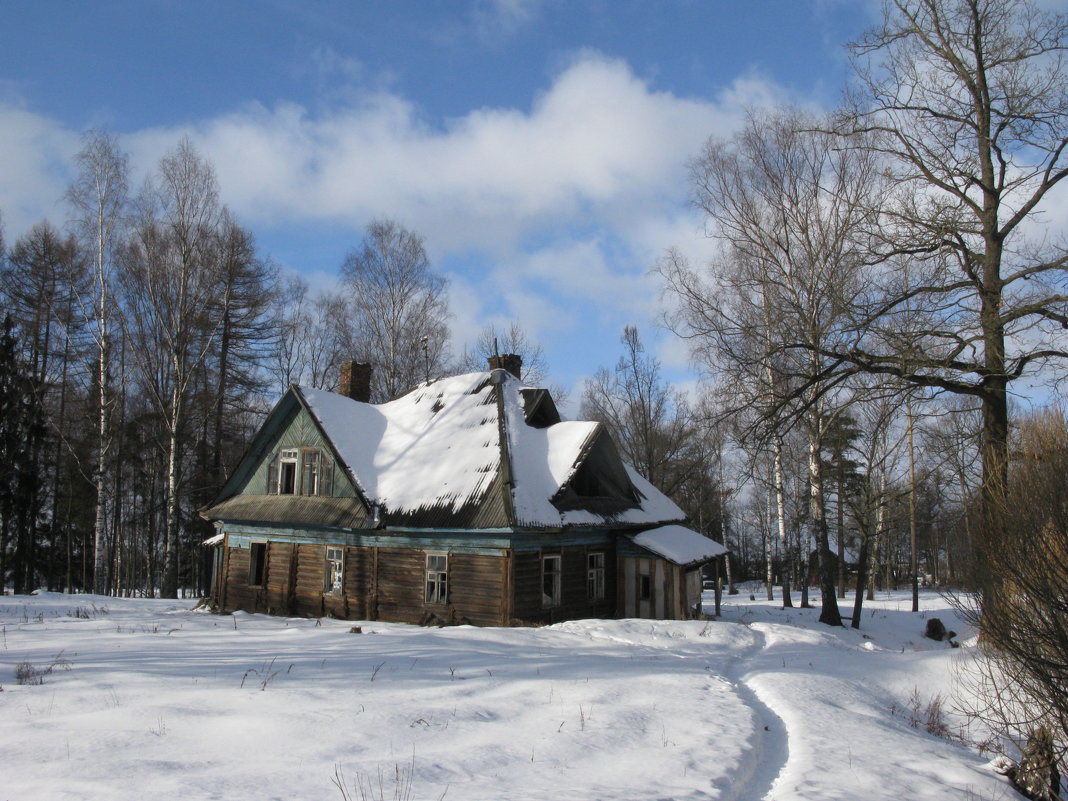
511	339
171	277
39	282
878	445
653	425
967	102
399	308
315	333
98	197
789	208
248	333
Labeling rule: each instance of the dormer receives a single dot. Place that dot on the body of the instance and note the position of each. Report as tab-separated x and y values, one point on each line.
539	409
599	483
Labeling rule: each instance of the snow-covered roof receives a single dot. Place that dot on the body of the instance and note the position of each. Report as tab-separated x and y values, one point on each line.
444	444
437	445
679	544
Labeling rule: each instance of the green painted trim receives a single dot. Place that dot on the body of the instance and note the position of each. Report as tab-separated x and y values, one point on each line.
536	542
240	536
457	541
461	531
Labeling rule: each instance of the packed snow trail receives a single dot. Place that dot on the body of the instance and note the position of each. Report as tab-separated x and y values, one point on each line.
761	767
850	706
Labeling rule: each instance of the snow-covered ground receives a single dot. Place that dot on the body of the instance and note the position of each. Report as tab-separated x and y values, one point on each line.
151	699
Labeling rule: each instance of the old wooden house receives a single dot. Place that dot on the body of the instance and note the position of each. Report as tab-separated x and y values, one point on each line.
468	500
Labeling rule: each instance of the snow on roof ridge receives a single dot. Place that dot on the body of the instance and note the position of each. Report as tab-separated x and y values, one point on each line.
408	455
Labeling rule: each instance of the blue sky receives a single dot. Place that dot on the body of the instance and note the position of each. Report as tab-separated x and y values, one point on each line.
539	146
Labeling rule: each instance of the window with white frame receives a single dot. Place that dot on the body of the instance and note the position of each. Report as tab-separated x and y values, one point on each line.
300	471
311	472
551	584
335	570
595	576
437	578
287	471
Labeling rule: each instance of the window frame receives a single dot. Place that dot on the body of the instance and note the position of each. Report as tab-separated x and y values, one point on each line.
311	471
436	584
334	585
257	563
595	576
554	598
645	587
288	458
301	471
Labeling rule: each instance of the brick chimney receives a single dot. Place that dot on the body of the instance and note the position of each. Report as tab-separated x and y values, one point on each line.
511	362
355	381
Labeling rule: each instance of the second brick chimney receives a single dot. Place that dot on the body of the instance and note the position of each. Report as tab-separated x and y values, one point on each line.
511	362
355	381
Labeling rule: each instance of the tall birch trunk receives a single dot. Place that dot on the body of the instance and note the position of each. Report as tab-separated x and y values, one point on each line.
780	514
769	562
913	561
103	422
170	531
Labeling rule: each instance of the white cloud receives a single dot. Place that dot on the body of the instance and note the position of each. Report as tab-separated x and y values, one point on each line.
598	141
570	201
34	154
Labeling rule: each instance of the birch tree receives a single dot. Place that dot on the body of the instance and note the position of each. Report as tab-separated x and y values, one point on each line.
399	308
98	197
171	276
789	209
315	336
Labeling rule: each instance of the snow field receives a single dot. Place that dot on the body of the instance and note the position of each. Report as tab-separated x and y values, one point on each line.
160	700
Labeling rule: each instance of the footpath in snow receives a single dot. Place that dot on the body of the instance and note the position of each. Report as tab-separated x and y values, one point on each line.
143	698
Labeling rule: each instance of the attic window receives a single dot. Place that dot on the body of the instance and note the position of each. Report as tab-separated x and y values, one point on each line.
300	471
287	472
587	485
538	408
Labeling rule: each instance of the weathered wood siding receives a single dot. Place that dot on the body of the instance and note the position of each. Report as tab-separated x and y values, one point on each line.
279	580
311	577
668	599
239	595
575	602
400	585
359	583
477	589
300	431
379	583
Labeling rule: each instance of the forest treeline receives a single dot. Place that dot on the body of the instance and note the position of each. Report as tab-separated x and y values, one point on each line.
145	338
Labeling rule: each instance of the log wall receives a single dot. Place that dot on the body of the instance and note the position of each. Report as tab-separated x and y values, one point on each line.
379	583
574	598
